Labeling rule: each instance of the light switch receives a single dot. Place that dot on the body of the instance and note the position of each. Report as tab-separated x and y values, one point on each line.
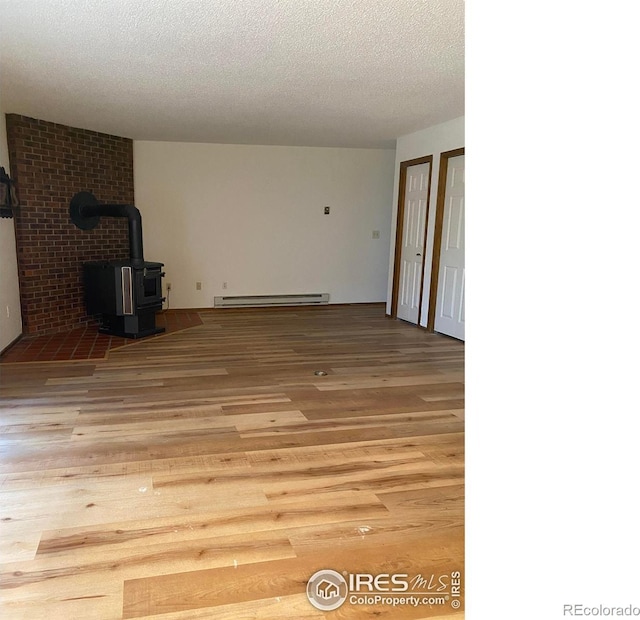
376	234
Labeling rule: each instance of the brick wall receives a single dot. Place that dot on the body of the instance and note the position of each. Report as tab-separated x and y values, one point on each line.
50	163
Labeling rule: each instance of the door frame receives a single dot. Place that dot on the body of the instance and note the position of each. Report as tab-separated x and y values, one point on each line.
402	182
437	233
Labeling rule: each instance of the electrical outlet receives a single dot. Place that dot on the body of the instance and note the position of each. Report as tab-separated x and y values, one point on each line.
376	234
327	210
168	286
198	286
224	285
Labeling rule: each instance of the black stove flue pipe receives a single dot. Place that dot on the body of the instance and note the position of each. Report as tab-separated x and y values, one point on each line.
85	212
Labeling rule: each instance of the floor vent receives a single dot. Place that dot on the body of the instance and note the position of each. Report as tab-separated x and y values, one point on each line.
261	301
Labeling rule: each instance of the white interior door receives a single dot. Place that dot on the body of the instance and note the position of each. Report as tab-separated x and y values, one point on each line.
413	231
449	317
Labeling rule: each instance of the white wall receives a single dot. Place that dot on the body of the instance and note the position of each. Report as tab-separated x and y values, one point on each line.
11	325
432	141
252	216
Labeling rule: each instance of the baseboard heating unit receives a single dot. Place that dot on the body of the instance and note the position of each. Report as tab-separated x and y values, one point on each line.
261	301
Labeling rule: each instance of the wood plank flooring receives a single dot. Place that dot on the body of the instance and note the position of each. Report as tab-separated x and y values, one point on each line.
209	473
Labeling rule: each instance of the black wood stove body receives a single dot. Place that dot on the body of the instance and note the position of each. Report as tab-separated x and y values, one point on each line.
126	294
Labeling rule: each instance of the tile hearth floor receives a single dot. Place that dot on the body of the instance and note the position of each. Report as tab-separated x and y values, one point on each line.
85	343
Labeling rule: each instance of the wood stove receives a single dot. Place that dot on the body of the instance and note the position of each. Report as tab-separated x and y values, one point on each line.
125	294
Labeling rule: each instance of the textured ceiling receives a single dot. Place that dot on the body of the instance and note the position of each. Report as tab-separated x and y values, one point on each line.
353	73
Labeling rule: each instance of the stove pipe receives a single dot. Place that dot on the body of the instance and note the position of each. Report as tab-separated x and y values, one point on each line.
85	212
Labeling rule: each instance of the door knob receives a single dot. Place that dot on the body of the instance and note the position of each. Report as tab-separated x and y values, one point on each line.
418	254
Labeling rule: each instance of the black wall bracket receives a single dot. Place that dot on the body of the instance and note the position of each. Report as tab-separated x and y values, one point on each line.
78	202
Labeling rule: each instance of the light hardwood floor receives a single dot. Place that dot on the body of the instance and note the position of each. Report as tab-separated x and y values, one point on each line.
209	473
